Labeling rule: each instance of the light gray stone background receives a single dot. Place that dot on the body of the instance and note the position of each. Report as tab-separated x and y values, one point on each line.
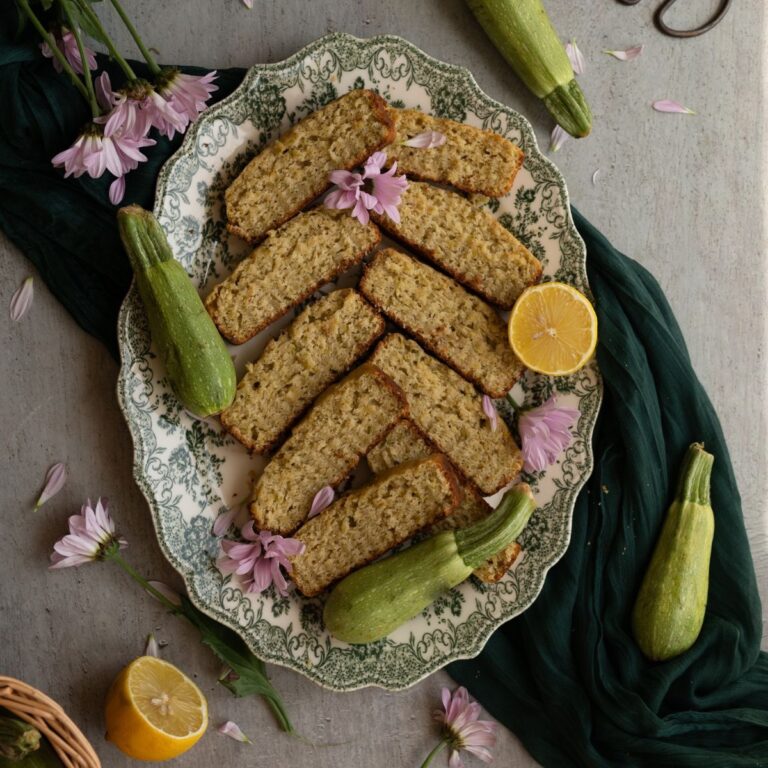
686	196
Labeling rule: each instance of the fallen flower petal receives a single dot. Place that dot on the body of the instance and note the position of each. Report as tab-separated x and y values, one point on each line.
626	55
594	176
54	482
558	137
667	105
233	731
576	57
224	520
248	3
426	140
21	301
152	648
323	498
490	411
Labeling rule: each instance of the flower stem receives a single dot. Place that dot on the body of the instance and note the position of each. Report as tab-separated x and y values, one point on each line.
141	581
94	104
431	756
51	42
151	63
85	7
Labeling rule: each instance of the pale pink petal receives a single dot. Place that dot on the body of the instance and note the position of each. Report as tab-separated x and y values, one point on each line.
667	105
489	409
426	140
117	190
360	212
224	521
345	179
262	576
167	592
576	58
104	93
445	697
482	752
248	531
54	482
558	137
340	199
455	760
594	176
152	648
626	55
21	301
323	498
233	729
374	164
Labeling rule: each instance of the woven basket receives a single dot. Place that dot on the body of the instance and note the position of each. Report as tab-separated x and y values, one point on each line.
49	718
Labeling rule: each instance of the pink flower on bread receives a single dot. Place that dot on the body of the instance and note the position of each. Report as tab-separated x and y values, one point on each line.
372	190
259	560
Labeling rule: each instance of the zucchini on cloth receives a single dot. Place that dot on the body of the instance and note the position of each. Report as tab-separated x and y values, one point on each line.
372	602
524	35
199	367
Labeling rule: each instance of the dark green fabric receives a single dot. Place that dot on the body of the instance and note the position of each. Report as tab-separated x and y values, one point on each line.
566	676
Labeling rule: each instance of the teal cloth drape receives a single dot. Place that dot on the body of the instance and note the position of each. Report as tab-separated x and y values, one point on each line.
565	676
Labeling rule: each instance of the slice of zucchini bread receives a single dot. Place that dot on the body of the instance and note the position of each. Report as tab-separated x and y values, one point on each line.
448	410
367	522
461	329
293	170
320	345
471	158
290	265
405	443
346	421
465	241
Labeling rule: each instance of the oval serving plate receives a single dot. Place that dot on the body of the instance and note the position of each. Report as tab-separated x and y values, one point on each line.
190	470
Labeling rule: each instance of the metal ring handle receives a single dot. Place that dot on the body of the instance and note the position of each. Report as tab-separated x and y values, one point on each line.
667	30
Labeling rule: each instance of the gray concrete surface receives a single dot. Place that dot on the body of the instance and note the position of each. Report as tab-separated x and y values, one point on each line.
686	196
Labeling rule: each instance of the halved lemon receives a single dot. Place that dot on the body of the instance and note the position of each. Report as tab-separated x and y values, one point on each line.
154	711
553	329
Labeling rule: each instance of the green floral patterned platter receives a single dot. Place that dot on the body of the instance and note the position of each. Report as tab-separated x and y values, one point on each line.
191	470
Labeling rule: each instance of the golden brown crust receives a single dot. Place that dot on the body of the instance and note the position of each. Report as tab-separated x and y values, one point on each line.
496	568
481	383
383	115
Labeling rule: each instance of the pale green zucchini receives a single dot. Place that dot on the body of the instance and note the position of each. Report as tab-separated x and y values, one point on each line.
672	601
524	35
370	603
196	358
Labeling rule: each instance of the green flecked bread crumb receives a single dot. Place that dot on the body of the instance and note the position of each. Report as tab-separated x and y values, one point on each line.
366	523
459	328
405	443
318	347
290	265
465	241
288	174
325	446
471	159
448	410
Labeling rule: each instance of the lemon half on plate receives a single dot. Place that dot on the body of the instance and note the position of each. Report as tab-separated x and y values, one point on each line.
553	329
154	711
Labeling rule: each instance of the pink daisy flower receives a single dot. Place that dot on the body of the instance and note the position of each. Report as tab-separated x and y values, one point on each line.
545	433
372	190
186	94
91	537
260	560
66	43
